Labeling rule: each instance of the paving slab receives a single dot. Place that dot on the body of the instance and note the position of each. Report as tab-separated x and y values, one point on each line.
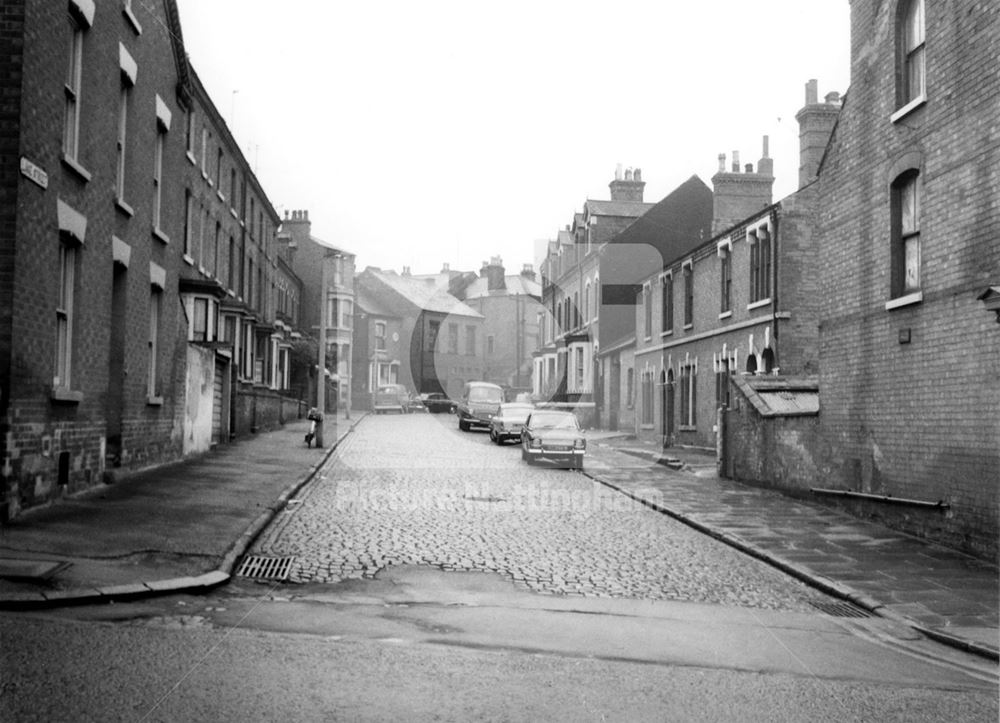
941	591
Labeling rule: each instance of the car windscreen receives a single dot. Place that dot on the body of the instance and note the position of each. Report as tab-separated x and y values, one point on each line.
553	421
486	394
516	411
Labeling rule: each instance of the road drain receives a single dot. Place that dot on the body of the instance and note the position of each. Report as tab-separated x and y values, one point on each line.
840	609
265	568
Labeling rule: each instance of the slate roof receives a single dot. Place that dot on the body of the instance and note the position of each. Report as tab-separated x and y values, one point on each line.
424	294
517	285
628	209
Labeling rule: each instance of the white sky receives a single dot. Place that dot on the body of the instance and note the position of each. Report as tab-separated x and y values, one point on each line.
418	133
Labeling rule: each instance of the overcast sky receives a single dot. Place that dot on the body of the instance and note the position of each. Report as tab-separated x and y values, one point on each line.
419	133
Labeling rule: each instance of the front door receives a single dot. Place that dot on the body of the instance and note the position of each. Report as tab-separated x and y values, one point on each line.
615	399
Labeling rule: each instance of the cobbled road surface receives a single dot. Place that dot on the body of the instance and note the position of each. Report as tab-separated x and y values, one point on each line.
414	490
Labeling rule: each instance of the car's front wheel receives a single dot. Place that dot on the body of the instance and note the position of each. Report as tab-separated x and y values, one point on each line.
463	425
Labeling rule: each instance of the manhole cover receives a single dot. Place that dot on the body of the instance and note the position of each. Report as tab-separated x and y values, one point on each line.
265	568
840	609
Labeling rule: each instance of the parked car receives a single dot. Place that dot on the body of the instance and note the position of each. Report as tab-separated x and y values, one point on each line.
416	404
555	436
438	403
478	404
391	398
509	421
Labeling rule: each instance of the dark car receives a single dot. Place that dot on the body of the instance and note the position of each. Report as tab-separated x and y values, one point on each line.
509	421
478	403
438	403
554	436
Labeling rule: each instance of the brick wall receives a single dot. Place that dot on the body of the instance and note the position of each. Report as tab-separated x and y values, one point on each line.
910	396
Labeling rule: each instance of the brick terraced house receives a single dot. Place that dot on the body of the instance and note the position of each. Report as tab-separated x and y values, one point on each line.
136	253
909	249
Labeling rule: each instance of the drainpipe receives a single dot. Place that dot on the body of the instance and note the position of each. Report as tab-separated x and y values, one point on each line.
774	284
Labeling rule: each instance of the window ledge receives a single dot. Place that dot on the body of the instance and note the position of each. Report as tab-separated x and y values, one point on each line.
726	314
668	332
908	108
74	166
157	233
124	207
188	260
232	212
66	395
133	21
688	327
219	194
190	156
915	298
759	304
154	401
687	428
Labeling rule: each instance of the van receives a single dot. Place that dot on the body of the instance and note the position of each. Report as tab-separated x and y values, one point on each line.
479	402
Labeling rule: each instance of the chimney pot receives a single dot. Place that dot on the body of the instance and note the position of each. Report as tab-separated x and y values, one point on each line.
832	98
637	174
628	174
748	168
722	163
736	161
766	142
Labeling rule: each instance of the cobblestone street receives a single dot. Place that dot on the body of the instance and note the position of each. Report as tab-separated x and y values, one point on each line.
414	490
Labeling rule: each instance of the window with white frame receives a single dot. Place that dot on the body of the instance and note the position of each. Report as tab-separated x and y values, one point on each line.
689	394
688	295
74	74
667	304
580	370
911	52
161	137
647	311
380	335
188	221
153	358
586	303
64	315
759	241
190	135
127	82
905	254
725	281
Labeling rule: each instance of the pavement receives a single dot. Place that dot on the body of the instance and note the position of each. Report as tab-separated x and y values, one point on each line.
185	526
180	527
945	594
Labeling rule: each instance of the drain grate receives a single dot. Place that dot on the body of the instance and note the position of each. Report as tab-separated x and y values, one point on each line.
840	609
265	568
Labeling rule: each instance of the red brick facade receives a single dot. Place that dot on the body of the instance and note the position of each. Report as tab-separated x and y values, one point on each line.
910	376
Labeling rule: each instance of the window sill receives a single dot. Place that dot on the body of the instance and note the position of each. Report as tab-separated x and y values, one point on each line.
687	428
915	298
908	108
158	234
74	166
154	401
647	426
232	212
219	194
726	314
65	395
190	156
688	327
188	260
668	332
124	207
133	21
759	304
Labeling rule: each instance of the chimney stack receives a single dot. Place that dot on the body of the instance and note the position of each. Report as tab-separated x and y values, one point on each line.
494	274
737	195
528	272
628	189
816	121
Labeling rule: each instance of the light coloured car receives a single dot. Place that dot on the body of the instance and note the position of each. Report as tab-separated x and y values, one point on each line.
509	421
554	436
391	398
